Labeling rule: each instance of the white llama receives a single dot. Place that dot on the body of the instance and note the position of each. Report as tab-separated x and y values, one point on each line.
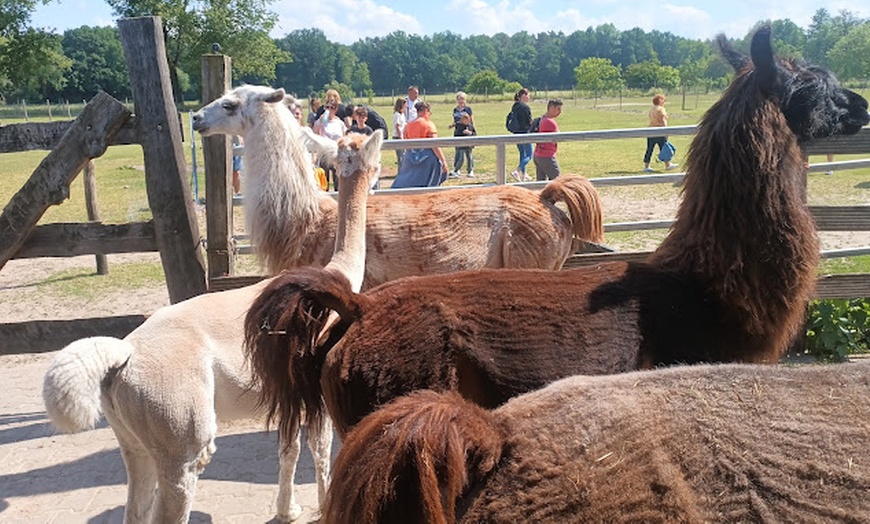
292	222
165	387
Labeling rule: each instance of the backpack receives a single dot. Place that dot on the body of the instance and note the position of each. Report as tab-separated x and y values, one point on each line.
511	123
667	152
536	125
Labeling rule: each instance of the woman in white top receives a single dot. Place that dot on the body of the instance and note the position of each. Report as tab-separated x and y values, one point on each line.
332	127
399	123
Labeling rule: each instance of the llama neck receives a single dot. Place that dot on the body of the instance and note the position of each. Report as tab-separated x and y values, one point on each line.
350	242
742	228
283	205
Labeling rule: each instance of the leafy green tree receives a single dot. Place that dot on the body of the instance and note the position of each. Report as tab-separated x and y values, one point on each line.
344	90
549	60
636	46
647	75
598	75
361	81
517	57
789	39
31	60
824	33
313	63
483	49
850	56
486	83
240	27
389	59
97	63
607	43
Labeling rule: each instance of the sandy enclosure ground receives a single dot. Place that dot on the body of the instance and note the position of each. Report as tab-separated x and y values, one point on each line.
21	298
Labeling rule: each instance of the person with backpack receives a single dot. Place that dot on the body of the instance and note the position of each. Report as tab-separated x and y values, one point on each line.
519	121
658	117
546	164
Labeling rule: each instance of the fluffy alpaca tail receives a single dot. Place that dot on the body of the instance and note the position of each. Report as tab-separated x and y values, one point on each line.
73	383
411	460
584	205
283	346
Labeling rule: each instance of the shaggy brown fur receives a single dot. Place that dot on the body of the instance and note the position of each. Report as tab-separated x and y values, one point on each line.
726	443
729	283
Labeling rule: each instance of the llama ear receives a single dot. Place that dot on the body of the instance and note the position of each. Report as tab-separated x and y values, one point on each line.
737	59
766	68
275	96
373	143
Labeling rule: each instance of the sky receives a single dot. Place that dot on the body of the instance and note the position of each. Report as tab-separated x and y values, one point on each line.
346	21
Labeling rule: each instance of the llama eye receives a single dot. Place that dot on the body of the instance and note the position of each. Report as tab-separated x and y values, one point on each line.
230	107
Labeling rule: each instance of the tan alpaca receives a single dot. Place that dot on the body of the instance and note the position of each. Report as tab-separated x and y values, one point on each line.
164	387
292	222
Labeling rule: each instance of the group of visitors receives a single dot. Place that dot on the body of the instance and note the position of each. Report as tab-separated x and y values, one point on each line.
427	166
333	119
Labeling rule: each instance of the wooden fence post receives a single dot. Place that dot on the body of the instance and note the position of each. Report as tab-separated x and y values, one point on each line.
93	212
169	197
217	153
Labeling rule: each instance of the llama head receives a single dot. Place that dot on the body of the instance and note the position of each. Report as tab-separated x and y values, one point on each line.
360	153
812	101
237	111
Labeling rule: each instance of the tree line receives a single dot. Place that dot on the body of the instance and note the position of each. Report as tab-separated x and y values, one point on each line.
36	64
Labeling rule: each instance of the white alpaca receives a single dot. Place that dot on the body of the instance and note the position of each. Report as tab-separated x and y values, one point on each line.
292	222
164	387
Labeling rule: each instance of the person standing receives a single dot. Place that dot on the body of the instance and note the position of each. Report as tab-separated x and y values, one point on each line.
658	117
332	97
360	115
463	128
374	120
522	115
314	105
546	164
421	167
399	123
332	127
411	107
238	143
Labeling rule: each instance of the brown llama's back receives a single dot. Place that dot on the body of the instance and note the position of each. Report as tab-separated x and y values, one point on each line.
729	283
726	443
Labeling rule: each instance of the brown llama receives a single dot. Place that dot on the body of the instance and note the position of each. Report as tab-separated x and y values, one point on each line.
730	282
292	222
687	444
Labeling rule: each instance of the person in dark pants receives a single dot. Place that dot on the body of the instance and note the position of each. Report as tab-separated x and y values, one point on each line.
522	114
658	117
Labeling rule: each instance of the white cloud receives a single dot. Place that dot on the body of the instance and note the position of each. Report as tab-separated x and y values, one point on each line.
478	17
343	21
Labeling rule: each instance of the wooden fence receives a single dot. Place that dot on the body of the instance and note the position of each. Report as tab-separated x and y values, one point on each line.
173	230
828	218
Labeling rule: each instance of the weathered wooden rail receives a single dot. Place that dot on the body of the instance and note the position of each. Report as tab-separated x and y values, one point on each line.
172	231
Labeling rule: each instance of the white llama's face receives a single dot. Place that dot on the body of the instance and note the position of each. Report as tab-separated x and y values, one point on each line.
360	154
235	112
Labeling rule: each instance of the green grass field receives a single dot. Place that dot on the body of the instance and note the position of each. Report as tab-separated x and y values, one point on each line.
122	196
